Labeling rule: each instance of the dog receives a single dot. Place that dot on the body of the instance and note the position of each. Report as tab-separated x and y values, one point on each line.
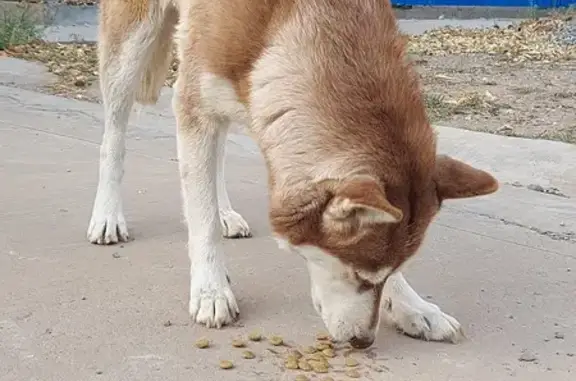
326	90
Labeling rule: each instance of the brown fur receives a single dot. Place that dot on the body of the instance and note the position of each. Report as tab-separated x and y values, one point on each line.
351	106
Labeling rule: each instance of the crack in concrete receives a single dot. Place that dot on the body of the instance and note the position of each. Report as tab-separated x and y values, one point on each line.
566	236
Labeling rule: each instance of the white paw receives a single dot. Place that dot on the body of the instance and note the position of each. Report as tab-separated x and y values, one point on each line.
425	321
107	227
234	225
212	303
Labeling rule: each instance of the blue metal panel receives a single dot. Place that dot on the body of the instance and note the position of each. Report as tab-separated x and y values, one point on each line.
488	3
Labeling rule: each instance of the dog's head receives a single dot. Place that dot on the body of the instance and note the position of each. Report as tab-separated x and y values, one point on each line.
354	232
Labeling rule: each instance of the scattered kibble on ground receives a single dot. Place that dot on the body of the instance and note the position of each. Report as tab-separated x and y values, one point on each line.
351	362
329	352
255	336
352	373
276	340
226	364
309	350
313	358
302	377
202	343
295	353
291	364
248	355
304	365
238	343
319	366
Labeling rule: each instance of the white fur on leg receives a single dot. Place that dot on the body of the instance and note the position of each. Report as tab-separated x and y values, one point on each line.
416	317
119	76
233	224
107	224
211	299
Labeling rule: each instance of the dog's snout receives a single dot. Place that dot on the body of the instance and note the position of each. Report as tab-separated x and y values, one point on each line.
361	342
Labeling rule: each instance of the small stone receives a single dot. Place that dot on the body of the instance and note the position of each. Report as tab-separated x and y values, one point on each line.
301	377
351	362
115	255
80	81
536	187
352	373
238	343
559	335
276	340
255	336
248	355
329	352
570	354
167	323
99	372
527	356
202	343
226	364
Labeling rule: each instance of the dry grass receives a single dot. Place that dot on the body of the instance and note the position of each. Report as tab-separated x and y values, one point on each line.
531	40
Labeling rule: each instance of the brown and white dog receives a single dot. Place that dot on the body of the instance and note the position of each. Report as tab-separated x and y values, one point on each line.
327	92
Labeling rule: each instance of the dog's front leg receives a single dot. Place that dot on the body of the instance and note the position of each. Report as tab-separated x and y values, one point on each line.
211	299
415	316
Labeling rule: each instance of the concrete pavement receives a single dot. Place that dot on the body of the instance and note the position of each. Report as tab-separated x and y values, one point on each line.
504	265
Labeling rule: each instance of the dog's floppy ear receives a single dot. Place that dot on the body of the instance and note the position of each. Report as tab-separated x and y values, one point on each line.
363	200
455	179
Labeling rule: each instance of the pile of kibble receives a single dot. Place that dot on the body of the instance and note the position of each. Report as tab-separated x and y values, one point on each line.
313	359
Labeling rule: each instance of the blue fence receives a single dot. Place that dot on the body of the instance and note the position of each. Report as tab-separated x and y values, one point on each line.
488	3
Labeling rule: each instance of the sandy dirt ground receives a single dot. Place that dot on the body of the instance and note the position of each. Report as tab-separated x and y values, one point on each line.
477	92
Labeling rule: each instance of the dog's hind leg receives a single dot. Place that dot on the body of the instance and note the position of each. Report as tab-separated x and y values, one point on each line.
134	50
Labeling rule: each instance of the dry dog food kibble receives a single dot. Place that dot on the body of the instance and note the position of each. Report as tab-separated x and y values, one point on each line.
351	362
327	379
295	353
323	336
301	377
255	336
202	343
276	340
291	363
322	346
316	357
226	364
248	355
304	365
309	350
352	373
237	343
319	366
329	352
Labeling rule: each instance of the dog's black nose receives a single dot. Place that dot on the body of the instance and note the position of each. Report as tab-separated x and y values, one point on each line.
361	342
